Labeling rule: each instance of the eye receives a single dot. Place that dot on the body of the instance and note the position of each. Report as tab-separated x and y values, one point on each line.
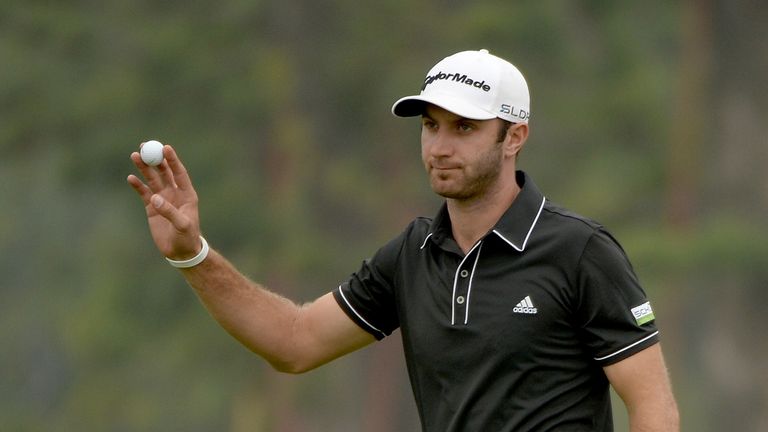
465	127
428	124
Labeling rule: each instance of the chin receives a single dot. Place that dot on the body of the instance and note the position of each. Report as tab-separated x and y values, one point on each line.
450	193
442	189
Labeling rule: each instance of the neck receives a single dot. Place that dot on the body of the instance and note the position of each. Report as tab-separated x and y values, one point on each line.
471	219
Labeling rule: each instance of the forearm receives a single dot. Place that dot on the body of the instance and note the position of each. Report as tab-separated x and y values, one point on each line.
661	418
261	320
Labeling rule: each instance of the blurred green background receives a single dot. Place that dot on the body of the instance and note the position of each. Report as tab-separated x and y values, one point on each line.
648	116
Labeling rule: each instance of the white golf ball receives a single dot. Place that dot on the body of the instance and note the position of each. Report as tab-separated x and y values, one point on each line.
151	152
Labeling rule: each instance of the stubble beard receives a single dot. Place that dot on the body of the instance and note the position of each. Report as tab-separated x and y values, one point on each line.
468	182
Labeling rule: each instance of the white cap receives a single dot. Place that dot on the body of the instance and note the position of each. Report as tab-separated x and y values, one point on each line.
472	84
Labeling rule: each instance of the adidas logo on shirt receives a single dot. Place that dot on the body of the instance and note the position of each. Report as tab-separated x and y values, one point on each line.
525	306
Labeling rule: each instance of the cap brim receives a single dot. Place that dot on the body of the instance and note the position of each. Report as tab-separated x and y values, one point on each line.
411	106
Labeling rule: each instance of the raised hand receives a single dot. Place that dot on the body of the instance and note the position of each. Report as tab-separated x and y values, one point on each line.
170	201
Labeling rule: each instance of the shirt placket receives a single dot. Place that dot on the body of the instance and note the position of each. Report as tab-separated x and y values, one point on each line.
462	286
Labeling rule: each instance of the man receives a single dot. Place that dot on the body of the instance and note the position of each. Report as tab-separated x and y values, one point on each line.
516	314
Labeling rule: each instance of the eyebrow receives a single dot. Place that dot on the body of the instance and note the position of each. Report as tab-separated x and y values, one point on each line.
457	119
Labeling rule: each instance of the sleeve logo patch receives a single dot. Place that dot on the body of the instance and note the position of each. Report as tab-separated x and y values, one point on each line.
643	313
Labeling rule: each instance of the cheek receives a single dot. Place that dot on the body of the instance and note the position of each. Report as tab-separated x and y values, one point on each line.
424	151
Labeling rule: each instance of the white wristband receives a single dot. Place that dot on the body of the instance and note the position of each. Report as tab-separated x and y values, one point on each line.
197	259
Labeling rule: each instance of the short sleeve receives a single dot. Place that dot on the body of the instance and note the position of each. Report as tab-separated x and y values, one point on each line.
368	296
614	314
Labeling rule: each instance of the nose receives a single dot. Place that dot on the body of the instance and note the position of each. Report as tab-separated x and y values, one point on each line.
438	144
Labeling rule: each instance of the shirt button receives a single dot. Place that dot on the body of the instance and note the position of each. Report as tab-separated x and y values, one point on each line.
460	299
464	273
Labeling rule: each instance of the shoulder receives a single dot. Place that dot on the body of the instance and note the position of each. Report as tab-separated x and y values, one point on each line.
416	232
570	233
419	226
567	224
412	237
589	241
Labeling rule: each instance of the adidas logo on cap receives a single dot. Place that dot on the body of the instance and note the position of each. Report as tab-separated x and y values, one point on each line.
525	307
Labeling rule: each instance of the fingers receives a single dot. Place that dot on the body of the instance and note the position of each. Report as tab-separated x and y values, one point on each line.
171	172
150	174
166	175
143	190
180	175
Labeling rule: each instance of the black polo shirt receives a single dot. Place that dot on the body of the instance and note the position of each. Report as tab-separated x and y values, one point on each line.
513	335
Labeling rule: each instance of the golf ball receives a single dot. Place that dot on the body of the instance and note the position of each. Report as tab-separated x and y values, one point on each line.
151	152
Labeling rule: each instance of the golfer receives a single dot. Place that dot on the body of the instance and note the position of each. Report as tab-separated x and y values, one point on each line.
516	314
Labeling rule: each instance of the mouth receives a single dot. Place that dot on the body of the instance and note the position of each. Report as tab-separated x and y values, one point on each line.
444	173
441	167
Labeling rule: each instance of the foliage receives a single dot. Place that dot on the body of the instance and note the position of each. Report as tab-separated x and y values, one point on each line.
280	111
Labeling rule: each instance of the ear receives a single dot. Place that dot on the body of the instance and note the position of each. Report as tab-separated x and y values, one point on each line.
517	134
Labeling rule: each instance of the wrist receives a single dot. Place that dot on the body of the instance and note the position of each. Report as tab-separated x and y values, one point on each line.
195	260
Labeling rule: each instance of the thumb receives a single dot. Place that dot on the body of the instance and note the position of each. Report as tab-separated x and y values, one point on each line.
157	201
169	212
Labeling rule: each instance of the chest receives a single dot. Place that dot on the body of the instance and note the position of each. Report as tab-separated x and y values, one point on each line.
492	302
